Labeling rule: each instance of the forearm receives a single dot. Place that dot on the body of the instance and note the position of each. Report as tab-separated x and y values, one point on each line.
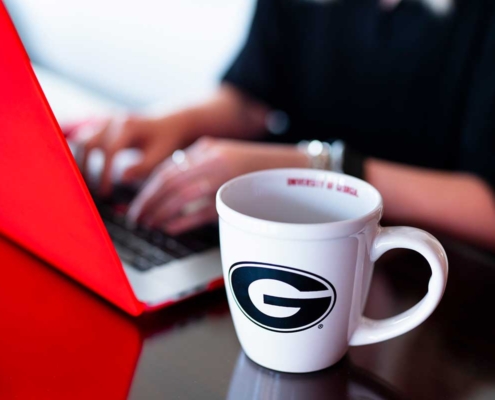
459	204
228	114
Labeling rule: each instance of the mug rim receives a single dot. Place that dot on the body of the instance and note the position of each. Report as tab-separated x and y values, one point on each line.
288	230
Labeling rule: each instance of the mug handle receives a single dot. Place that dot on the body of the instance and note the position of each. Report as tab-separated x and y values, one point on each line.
373	331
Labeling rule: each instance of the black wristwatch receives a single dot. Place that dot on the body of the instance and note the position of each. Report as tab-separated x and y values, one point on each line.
353	163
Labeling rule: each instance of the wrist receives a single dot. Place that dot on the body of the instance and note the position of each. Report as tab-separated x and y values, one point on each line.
299	159
182	123
268	156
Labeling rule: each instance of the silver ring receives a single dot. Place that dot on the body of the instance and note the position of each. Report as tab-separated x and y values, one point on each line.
179	158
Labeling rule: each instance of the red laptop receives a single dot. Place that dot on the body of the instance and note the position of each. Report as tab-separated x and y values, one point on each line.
46	207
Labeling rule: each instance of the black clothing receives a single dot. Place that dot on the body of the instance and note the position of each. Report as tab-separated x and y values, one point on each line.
405	85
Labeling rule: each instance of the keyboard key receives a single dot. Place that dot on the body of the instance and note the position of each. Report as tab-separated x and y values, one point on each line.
143	233
172	246
157	238
137	245
159	257
136	251
142	263
125	254
116	233
169	245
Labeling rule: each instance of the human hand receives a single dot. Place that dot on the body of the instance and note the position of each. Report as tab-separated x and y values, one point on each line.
157	138
196	174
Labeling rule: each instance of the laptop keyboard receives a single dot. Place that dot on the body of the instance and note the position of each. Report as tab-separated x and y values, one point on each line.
143	248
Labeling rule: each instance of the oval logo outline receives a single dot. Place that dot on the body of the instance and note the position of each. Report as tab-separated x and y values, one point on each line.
239	286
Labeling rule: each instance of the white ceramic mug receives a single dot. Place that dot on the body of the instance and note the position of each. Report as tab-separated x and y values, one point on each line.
298	248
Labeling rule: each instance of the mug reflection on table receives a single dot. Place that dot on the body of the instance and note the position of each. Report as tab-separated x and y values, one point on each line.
343	381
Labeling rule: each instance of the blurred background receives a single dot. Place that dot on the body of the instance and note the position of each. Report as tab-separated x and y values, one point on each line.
101	56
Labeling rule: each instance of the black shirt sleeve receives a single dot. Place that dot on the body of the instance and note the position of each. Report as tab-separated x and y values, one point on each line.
478	131
254	71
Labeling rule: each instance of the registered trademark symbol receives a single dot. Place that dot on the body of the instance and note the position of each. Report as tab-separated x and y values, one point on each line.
320	326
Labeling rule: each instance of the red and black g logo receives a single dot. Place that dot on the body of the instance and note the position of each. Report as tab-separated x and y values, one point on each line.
279	298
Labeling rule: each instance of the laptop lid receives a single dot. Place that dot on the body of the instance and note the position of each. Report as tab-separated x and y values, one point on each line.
45	205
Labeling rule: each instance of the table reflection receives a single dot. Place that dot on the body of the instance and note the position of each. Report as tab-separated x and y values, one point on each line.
57	340
250	381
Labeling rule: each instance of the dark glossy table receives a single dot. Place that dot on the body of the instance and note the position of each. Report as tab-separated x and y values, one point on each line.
59	341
